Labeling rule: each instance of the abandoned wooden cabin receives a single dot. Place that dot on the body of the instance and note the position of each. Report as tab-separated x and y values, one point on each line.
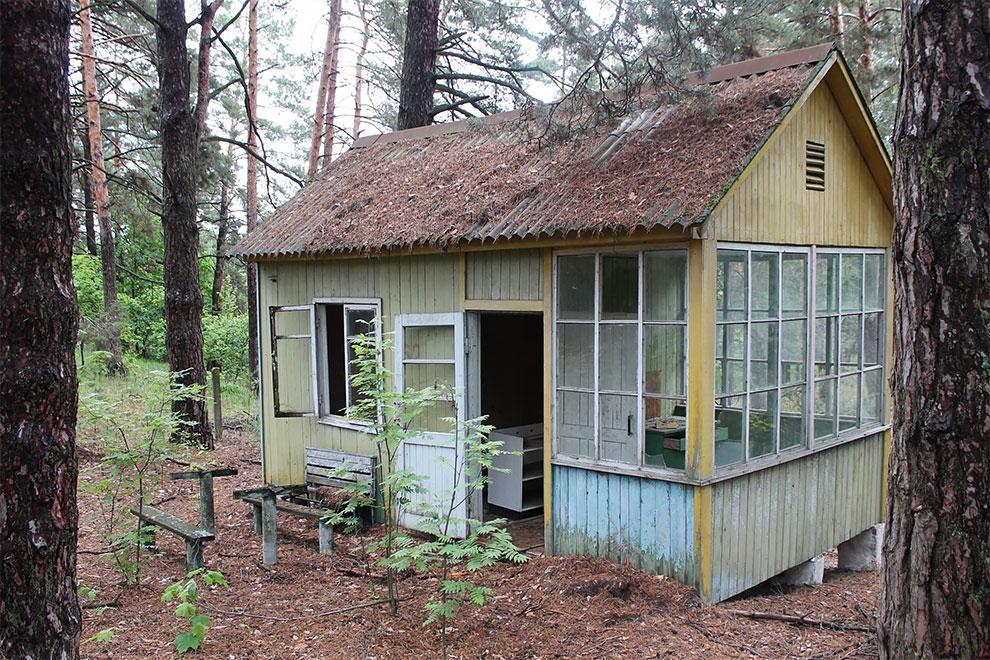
682	323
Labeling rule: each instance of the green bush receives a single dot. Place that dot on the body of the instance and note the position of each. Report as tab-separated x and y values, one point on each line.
225	340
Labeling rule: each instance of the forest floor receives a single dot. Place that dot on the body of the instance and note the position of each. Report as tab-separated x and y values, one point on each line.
549	607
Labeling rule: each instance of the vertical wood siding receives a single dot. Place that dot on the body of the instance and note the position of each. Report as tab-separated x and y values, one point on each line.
768	521
504	275
772	206
645	522
406	285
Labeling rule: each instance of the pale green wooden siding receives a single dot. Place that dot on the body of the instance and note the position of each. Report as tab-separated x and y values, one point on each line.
504	275
768	521
405	285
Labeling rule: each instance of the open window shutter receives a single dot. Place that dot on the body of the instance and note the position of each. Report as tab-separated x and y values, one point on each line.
294	388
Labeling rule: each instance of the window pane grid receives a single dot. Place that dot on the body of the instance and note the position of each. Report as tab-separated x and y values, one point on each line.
612	420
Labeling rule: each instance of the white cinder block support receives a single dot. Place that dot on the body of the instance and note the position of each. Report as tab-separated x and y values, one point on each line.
809	572
862	552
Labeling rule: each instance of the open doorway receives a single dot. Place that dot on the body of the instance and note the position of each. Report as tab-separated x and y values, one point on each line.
511	395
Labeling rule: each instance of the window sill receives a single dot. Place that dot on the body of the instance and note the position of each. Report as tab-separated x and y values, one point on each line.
723	473
660	474
344	423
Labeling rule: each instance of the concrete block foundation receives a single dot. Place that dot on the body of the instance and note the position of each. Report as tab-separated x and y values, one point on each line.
862	552
805	573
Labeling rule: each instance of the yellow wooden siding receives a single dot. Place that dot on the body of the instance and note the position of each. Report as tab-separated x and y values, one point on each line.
771	205
767	521
504	275
405	285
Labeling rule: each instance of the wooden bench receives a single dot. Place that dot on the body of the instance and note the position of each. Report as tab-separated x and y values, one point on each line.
324	467
192	535
207	517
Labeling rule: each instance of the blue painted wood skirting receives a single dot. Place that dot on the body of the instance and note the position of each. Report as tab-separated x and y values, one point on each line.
645	522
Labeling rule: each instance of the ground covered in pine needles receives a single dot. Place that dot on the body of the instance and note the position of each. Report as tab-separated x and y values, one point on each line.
549	607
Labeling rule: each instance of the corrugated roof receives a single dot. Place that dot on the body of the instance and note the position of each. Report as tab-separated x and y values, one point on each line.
490	180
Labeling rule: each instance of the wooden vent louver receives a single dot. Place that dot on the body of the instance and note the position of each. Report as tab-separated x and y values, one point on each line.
814	170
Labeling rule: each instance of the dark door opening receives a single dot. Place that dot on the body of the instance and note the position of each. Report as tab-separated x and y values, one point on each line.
511	375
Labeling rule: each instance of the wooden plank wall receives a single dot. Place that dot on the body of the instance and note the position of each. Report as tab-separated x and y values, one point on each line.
504	275
645	522
771	205
406	285
768	521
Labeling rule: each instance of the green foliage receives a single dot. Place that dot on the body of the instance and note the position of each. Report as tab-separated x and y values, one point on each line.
103	637
185	593
136	433
87	273
394	417
225	340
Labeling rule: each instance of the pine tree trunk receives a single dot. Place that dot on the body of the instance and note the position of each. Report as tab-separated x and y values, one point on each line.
866	59
101	196
183	297
208	12
223	230
359	69
89	201
39	609
331	110
936	575
320	114
252	184
418	62
836	23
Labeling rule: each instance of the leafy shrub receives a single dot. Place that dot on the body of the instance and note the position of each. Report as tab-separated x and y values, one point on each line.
225	340
186	592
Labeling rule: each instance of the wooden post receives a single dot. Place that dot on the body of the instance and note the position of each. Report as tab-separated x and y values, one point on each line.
268	534
207	518
257	518
326	537
217	411
194	555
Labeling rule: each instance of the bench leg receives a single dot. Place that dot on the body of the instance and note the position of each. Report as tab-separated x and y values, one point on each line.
326	538
268	531
194	555
257	518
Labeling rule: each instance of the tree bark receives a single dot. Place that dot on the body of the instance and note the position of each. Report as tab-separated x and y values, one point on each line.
223	230
936	575
359	69
39	609
331	109
252	184
183	297
86	182
101	196
866	59
208	12
320	114
419	56
836	23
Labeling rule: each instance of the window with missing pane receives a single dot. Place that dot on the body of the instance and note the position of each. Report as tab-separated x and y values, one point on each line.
339	324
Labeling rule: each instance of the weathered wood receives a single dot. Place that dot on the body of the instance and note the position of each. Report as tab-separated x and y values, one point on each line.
326	537
168	522
256	509
193	536
196	474
217	405
207	517
268	528
805	621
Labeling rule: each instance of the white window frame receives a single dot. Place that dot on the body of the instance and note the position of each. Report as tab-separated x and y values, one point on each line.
838	437
321	374
595	390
